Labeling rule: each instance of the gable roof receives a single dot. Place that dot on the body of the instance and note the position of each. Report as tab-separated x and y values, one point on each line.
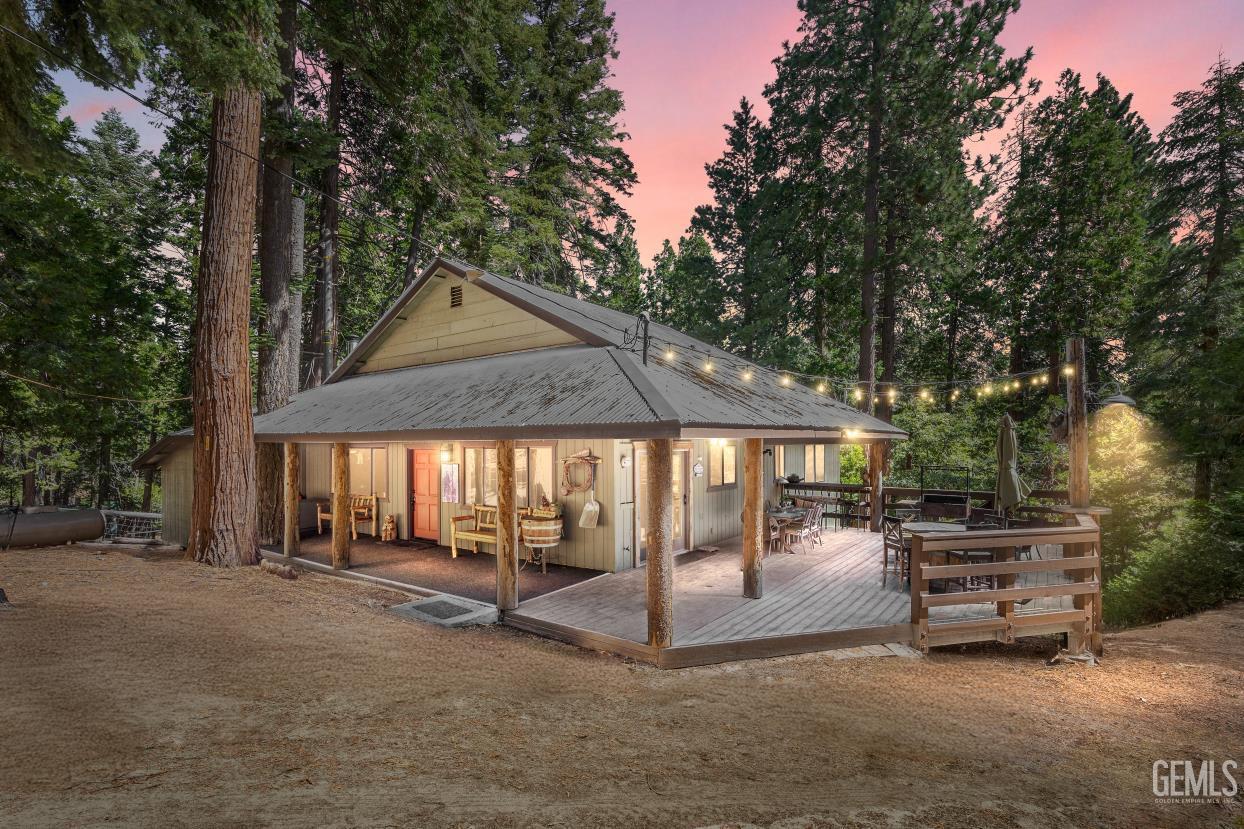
601	388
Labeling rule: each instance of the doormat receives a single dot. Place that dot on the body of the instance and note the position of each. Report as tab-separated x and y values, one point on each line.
447	611
413	543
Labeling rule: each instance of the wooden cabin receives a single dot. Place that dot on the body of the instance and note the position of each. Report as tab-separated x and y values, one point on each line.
477	391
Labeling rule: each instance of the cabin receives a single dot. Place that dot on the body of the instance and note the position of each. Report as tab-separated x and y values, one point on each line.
594	476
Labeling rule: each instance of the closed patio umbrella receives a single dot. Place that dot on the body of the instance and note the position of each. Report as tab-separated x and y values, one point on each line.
1010	489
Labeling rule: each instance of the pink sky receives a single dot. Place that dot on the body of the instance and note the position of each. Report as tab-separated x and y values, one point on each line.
684	65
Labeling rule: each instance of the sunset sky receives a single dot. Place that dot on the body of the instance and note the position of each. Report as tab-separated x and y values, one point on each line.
684	64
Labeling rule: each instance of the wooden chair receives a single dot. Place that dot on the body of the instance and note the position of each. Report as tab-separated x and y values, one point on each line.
894	556
362	509
775	535
800	531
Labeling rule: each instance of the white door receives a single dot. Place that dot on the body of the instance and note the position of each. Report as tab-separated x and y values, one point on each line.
680	473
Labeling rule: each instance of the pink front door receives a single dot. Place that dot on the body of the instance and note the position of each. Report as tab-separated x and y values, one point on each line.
425	505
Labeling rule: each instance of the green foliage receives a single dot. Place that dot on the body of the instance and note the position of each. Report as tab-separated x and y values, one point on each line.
1195	561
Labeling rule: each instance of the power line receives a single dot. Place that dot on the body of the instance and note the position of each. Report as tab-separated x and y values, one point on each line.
28	381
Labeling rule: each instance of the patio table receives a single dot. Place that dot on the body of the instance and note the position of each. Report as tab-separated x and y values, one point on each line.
785	518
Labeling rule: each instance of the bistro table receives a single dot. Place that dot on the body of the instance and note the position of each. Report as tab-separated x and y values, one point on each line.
786	517
937	585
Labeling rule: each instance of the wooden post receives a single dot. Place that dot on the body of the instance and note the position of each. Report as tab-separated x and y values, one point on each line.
660	544
919	584
1077	424
341	506
291	500
507	528
1007	609
876	483
1082	637
753	517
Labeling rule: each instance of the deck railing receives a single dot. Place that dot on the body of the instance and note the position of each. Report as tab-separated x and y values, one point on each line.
1079	562
890	496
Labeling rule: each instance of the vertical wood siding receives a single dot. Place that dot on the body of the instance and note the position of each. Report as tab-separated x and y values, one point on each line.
177	488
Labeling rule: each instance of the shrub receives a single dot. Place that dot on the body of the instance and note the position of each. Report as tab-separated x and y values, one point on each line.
1193	562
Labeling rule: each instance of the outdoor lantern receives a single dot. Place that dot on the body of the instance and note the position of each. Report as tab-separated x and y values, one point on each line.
1117	397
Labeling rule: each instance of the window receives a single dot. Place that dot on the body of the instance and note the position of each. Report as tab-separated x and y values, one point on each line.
814	462
533	474
369	471
779	461
722	463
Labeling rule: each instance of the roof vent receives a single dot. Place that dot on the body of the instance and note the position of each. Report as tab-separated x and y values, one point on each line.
455	296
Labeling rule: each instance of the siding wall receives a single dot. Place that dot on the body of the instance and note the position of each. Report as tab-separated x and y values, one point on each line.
591	548
177	489
434	332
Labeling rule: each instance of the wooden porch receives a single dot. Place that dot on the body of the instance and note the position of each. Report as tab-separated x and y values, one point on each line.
828	597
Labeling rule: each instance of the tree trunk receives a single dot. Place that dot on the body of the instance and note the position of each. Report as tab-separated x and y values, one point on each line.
952	348
222	528
754	529
413	255
275	374
30	491
660	567
149	472
872	195
103	485
889	324
341	506
292	538
298	224
324	321
507	528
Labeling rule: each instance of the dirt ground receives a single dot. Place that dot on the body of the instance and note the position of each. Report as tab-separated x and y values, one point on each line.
140	689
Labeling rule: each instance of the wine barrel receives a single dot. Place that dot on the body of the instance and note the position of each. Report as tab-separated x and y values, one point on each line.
542	532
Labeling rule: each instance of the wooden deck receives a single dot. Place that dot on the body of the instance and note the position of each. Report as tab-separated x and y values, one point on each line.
828	597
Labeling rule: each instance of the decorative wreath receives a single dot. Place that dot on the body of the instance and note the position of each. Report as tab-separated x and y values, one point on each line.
584	458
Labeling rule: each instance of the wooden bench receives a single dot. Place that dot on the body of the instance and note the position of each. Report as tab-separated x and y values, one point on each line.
484	525
362	509
484	520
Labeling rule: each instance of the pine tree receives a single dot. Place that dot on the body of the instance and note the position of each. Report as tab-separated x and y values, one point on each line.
1198	294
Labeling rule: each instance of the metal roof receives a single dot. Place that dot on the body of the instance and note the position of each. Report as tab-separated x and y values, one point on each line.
599	389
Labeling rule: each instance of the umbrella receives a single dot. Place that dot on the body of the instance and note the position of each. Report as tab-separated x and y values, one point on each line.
1010	488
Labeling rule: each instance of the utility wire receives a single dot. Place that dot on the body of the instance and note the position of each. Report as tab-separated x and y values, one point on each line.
28	381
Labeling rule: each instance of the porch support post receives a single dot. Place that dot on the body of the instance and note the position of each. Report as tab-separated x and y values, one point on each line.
1086	636
341	506
660	543
507	528
753	517
876	494
291	544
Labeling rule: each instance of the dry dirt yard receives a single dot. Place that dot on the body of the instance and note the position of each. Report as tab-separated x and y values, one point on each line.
140	689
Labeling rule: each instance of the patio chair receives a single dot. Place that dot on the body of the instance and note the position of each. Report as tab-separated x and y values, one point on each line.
817	511
894	558
775	535
801	531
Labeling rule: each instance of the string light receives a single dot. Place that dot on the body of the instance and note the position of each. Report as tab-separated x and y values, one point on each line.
747	374
925	395
708	366
1069	370
954	395
669	354
857	394
988	390
785	379
821	388
1036	381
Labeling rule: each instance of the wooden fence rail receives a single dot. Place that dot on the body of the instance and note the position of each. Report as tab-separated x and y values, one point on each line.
1081	562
